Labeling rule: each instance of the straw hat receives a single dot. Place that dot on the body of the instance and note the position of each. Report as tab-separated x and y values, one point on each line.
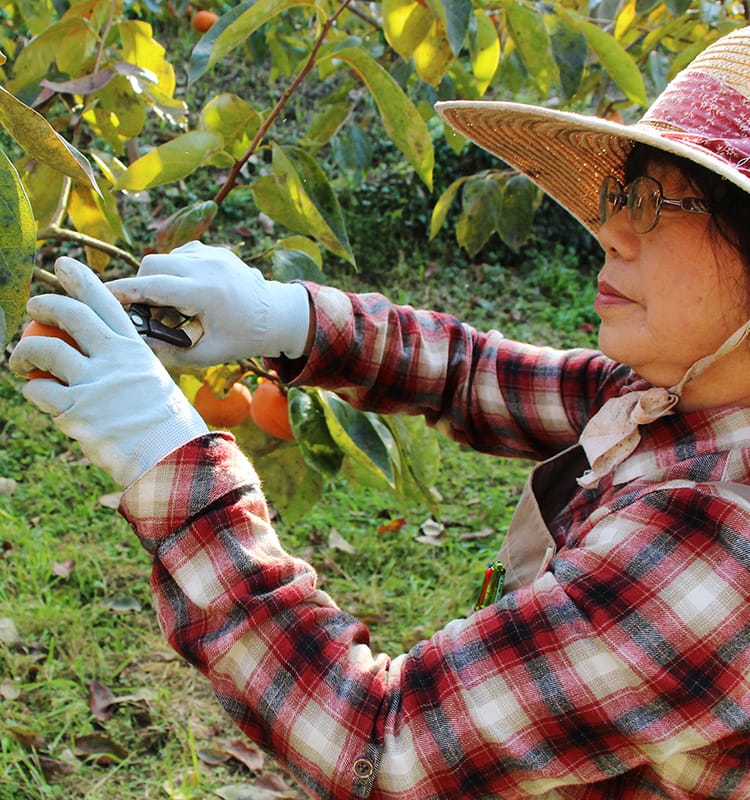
702	115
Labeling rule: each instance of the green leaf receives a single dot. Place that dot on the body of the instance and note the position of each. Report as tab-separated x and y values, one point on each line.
527	29
419	462
614	58
40	140
456	16
570	50
235	119
362	436
171	161
480	201
185	225
299	196
520	200
17	243
70	38
234	28
402	121
289	482
326	123
43	185
37	14
294	265
308	420
440	211
116	112
679	7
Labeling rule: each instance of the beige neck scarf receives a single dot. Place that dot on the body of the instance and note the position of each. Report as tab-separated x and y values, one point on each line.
612	434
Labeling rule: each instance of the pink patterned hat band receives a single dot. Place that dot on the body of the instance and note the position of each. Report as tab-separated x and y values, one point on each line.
702	111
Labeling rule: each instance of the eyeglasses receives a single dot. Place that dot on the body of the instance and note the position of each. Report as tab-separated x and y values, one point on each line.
644	199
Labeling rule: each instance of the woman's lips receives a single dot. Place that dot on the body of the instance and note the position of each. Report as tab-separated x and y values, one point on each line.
607	296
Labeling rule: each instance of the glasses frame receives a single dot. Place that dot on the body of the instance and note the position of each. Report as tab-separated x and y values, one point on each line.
613	197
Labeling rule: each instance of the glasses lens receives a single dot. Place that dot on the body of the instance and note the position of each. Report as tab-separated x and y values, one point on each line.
610	194
644	203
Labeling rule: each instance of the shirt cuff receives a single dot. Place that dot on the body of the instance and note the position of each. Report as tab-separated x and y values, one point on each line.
182	484
334	327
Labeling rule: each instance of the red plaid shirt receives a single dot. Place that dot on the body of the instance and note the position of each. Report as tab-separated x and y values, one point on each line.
623	671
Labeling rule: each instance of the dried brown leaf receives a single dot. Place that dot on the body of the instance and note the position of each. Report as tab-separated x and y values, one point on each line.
250	756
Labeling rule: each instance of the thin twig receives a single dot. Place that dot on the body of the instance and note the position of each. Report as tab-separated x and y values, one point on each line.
65	234
363	15
45	276
250	365
309	64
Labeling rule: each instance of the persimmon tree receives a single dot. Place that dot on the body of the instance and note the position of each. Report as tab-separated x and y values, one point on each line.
79	86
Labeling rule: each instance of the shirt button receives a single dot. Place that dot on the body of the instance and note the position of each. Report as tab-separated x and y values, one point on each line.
363	768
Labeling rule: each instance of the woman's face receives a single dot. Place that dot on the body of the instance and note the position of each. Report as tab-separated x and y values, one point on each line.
670	296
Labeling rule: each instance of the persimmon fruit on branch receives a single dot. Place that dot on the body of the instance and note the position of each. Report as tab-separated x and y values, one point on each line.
224	411
270	410
203	20
35	328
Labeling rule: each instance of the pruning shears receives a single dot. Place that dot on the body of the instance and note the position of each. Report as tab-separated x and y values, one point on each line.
142	316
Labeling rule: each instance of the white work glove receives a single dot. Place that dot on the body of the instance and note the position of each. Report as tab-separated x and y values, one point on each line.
241	314
119	403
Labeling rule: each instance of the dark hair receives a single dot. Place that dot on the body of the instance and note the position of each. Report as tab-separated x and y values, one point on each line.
730	205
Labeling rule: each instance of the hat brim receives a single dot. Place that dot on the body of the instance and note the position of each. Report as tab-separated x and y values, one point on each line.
565	153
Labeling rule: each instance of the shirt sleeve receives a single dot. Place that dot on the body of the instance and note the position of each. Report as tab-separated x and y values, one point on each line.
625	659
481	389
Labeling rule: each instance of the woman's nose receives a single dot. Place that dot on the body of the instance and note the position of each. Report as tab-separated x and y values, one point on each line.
617	235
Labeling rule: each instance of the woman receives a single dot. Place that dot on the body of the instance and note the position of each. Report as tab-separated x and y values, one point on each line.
616	662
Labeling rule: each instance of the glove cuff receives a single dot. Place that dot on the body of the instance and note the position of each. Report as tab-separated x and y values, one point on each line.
288	320
181	424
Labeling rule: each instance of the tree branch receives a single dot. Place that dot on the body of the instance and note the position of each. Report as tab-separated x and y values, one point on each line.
272	117
65	234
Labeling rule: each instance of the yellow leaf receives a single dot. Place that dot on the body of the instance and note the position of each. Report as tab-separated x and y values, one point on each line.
484	51
406	23
170	161
433	55
140	48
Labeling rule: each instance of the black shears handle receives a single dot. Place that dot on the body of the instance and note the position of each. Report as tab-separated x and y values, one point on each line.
141	316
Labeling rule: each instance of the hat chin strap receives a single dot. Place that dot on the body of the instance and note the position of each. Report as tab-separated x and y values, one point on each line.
612	434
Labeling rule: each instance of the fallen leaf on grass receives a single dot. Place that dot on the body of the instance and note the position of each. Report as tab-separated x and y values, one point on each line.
29	738
9	690
63	569
393	526
8	632
482	534
54	767
251	757
111	500
213	756
101	699
99	749
432	528
337	542
431	533
251	792
122	603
